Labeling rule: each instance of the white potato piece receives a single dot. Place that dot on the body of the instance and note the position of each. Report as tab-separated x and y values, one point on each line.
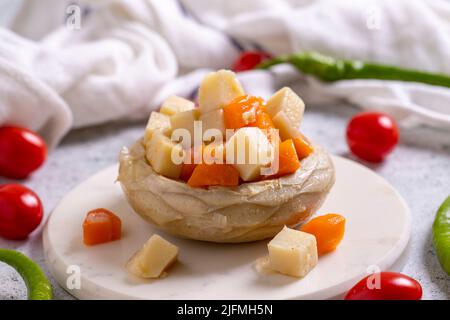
286	109
293	252
175	104
159	155
153	258
248	150
156	122
218	89
213	120
185	120
284	126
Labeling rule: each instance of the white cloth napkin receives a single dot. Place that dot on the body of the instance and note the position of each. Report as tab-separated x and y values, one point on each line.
130	54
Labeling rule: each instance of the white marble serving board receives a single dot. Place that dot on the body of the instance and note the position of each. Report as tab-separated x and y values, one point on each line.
377	234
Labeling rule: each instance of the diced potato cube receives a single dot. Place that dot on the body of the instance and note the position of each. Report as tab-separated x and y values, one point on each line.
175	104
293	252
284	126
218	89
288	101
286	109
185	120
153	258
249	150
213	120
159	154
157	122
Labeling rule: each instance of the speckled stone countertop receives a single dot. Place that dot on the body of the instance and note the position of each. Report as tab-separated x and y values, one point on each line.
419	169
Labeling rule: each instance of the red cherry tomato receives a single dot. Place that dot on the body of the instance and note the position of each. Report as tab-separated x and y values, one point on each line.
372	136
248	60
386	286
20	211
22	151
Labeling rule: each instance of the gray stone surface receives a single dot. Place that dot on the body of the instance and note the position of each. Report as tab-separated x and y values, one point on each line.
419	168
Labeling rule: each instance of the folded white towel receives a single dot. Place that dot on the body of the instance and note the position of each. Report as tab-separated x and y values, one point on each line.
130	54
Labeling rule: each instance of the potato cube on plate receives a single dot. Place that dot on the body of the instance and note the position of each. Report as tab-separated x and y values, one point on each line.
175	104
293	252
153	258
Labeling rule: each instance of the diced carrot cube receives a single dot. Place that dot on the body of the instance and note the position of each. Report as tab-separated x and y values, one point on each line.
288	159
214	175
242	111
265	123
302	147
100	226
328	229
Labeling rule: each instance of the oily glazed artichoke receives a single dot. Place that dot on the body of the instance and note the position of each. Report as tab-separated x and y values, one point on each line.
248	212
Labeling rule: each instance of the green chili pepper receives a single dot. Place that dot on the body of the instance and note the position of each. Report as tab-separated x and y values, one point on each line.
441	235
329	69
38	286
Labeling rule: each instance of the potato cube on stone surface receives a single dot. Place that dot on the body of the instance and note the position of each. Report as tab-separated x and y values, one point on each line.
153	258
293	252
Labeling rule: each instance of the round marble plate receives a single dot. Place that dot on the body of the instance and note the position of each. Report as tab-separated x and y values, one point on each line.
377	234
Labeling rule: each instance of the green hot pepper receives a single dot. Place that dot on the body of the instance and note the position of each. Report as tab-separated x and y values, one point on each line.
38	286
441	235
329	69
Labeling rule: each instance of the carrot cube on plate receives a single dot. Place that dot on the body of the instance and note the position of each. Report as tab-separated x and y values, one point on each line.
100	226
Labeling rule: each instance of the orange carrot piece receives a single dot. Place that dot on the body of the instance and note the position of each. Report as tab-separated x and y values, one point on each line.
289	162
303	147
214	175
328	229
242	111
263	120
100	226
265	123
